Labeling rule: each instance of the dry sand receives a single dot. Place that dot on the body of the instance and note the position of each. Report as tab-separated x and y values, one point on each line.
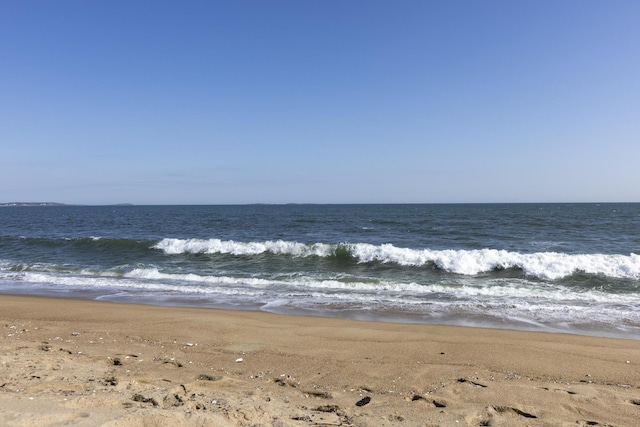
87	363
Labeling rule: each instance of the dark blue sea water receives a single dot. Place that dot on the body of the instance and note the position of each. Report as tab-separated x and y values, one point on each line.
552	267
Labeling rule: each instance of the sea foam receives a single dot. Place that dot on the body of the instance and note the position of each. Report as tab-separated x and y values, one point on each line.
504	290
543	265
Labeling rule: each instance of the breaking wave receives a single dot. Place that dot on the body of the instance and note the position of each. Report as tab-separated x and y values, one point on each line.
542	265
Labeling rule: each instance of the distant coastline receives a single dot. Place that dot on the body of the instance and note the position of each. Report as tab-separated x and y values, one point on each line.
32	204
53	204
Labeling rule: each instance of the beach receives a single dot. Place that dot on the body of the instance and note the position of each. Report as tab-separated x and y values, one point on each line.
87	363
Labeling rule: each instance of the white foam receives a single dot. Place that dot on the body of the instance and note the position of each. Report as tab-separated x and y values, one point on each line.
154	274
543	265
520	300
214	246
513	290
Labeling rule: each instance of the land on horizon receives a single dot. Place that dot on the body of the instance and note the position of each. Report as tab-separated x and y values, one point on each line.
32	204
57	204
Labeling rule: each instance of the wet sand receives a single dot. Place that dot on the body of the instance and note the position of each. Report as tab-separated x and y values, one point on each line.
88	363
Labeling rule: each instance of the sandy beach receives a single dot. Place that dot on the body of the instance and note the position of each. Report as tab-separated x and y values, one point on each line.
88	363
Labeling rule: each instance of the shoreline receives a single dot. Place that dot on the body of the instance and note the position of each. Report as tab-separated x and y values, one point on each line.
394	317
90	362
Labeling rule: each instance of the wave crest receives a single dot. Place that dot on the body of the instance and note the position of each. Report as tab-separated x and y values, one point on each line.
543	265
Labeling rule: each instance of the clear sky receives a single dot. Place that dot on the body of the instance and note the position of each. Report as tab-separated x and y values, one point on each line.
325	101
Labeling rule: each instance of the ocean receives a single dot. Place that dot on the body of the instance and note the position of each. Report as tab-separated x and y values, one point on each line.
546	267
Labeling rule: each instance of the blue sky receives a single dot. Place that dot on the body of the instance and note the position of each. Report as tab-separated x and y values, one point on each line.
215	102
